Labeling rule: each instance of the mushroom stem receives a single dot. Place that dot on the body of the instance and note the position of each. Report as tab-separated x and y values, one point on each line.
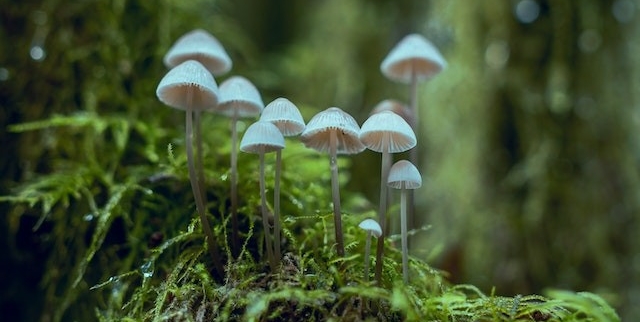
265	217
335	191
403	232
276	205
234	184
199	167
200	208
382	211
414	153
367	254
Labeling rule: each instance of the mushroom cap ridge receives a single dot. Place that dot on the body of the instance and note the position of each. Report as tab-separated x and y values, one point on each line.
173	89
317	133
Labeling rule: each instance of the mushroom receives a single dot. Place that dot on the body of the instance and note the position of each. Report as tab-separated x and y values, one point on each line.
286	116
385	132
201	46
394	106
335	132
238	98
263	137
413	59
404	175
372	228
190	87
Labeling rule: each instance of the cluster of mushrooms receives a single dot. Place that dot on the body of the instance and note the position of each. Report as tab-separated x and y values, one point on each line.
189	85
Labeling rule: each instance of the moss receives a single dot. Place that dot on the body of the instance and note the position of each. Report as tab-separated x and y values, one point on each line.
131	249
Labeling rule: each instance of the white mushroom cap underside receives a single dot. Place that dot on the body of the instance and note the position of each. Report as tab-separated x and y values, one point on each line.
201	46
387	131
403	174
413	53
188	86
285	115
262	137
317	133
239	95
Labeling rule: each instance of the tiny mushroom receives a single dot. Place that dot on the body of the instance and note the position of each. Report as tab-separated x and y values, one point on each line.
286	116
201	46
263	137
190	87
385	132
238	98
413	59
394	106
404	175
333	131
372	228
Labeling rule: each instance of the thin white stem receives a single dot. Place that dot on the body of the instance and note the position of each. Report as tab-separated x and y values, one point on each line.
265	217
235	235
276	205
382	211
367	254
335	191
403	232
199	155
200	208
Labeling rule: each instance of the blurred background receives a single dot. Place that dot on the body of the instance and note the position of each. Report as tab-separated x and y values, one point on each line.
528	141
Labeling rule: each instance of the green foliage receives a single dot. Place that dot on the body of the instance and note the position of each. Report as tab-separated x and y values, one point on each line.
106	182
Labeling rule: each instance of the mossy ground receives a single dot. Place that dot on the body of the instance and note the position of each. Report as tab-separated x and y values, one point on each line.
126	245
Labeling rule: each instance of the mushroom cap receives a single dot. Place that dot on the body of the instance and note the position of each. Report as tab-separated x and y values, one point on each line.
188	86
285	115
387	131
413	54
404	175
262	137
318	132
395	106
371	226
201	46
239	95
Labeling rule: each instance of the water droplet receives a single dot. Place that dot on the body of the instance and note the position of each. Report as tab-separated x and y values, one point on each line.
589	41
88	217
527	11
147	269
4	74
623	10
497	54
37	53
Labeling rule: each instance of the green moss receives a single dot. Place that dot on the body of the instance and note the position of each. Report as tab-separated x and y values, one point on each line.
113	268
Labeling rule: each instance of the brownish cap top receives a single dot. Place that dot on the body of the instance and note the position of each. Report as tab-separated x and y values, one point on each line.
201	46
239	95
285	115
404	175
387	131
413	54
317	133
188	86
262	137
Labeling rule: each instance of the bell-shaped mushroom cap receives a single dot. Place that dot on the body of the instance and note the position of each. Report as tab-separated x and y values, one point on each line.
239	95
403	174
285	115
201	46
189	76
396	107
413	54
387	131
262	137
317	134
371	226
